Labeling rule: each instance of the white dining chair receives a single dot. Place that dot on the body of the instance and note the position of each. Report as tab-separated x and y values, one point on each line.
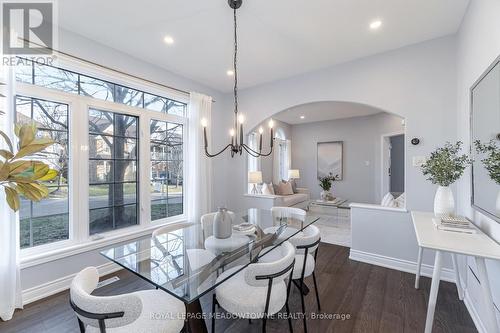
306	244
170	227
207	223
257	291
197	258
294	212
123	313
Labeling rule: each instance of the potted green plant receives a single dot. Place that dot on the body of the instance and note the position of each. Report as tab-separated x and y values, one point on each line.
326	184
444	167
19	176
491	163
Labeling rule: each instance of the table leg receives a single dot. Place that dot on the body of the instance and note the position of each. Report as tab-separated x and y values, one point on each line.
436	276
194	314
487	298
419	266
457	277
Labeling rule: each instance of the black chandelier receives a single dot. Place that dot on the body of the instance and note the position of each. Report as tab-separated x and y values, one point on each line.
237	146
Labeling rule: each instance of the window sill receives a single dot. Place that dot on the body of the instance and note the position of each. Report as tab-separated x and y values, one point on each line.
71	248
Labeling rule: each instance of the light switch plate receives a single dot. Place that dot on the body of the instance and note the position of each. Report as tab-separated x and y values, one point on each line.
418	161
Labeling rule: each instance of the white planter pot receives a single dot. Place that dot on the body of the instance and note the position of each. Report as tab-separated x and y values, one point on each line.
223	226
444	203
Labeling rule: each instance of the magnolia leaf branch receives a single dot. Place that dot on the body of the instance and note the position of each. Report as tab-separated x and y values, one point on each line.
21	177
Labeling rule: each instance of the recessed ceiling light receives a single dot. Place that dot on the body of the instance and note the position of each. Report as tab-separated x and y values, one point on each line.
302	117
230	72
168	40
375	24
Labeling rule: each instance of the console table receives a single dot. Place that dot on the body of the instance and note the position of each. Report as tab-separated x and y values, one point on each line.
478	245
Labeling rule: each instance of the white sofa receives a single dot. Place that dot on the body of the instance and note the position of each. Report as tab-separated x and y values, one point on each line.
300	199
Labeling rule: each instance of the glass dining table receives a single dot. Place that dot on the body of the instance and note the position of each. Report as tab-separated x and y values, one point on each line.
187	261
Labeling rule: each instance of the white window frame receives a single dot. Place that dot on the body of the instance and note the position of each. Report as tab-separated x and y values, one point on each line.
78	199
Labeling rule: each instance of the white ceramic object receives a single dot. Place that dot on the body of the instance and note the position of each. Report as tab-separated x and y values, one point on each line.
444	203
222	224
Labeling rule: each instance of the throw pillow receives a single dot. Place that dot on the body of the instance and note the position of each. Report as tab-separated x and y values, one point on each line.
276	188
400	201
388	201
294	185
285	188
267	189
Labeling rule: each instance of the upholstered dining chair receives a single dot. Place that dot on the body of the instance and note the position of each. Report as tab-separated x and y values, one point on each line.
297	213
123	313
259	290
197	258
170	227
306	244
207	222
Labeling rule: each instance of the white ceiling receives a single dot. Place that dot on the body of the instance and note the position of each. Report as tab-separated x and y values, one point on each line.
278	38
322	111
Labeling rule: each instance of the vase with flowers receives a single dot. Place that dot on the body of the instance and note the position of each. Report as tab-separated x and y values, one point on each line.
444	167
326	185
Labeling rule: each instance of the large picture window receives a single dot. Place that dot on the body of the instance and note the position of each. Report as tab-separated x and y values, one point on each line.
166	169
98	155
113	162
46	221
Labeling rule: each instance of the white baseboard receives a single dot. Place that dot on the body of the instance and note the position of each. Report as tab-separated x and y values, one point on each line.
447	274
53	287
469	304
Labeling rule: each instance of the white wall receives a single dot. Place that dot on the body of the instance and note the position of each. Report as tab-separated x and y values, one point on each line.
416	82
361	138
478	44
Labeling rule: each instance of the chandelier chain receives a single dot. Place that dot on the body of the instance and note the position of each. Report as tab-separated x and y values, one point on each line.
235	63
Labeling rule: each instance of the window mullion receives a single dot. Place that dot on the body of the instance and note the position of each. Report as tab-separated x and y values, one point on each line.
145	169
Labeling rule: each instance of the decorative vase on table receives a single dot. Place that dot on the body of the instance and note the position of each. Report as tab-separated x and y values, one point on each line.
325	195
444	203
223	226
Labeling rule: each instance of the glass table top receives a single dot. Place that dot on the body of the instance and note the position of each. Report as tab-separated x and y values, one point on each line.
186	262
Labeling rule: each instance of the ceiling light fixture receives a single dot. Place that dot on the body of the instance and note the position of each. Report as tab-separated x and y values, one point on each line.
168	40
375	24
230	72
236	133
302	117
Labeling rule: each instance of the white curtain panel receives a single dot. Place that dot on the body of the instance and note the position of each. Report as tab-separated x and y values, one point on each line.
10	280
199	167
288	164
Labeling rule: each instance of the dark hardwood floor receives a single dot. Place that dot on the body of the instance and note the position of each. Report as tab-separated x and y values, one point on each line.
376	299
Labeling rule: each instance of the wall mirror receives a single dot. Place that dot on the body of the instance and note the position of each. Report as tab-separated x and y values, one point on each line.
485	127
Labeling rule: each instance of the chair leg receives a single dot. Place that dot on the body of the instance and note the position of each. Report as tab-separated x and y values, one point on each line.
303	306
264	321
81	325
316	289
289	317
213	313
